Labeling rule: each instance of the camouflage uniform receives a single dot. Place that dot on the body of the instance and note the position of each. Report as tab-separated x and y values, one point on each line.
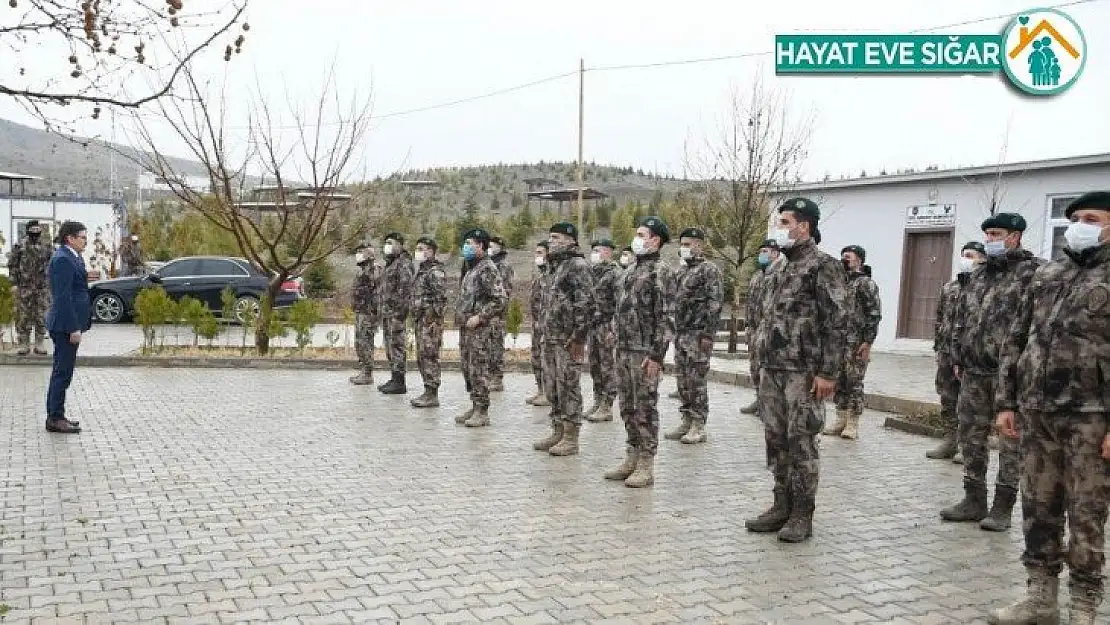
1054	370
483	294
947	384
428	309
864	314
753	312
130	258
987	306
28	272
535	306
801	335
396	298
365	302
603	337
497	342
699	297
567	305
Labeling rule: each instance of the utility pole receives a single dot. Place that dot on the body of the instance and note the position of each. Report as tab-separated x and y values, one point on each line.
581	170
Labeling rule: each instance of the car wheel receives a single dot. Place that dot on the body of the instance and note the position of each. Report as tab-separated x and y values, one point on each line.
108	308
244	304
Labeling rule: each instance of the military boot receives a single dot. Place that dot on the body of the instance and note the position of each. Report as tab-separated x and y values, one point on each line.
751	408
696	434
800	524
23	350
1084	605
603	413
851	429
1039	607
958	458
568	445
363	378
545	444
464	417
39	350
395	385
480	418
531	401
973	507
625	468
681	430
946	450
838	427
497	384
774	517
998	520
675	395
430	399
644	475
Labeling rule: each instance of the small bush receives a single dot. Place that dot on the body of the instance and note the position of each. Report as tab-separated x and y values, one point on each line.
7	306
319	280
153	308
302	318
514	318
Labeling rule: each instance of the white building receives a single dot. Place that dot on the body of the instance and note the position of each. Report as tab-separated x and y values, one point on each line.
913	226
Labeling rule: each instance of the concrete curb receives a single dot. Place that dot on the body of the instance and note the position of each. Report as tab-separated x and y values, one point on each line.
912	428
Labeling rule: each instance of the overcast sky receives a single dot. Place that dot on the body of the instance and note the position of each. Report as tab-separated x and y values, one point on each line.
424	52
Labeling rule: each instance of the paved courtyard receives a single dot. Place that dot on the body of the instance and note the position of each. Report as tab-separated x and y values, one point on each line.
219	496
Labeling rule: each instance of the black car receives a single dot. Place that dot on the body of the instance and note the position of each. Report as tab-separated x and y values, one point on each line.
201	277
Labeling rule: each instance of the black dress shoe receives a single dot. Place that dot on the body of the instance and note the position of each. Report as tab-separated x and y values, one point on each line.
62	426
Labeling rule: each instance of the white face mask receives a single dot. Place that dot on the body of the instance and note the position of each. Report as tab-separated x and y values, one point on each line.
419	256
966	265
134	239
685	253
360	258
539	261
494	249
387	249
639	246
782	237
626	260
595	257
1081	236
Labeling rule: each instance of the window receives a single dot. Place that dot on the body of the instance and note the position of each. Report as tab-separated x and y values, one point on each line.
216	267
1057	224
180	268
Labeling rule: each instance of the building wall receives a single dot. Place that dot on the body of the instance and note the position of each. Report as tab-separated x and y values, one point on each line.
875	217
98	216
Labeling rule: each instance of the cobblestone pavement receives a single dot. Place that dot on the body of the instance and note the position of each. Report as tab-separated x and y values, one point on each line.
217	496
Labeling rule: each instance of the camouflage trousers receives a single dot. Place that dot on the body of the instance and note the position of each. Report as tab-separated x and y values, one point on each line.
638	395
977	413
497	349
1063	474
561	375
602	352
393	340
31	314
475	361
429	340
365	327
691	360
792	419
537	355
849	385
948	388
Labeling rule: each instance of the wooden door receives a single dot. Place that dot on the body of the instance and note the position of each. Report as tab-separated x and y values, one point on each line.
926	267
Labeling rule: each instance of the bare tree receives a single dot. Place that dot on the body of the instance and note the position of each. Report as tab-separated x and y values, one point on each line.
758	151
299	218
105	46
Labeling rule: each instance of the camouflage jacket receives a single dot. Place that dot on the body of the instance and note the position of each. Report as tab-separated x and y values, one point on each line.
507	273
606	275
397	286
645	308
430	297
568	301
757	290
28	266
130	255
987	307
946	315
1056	357
482	293
365	294
699	296
803	327
865	311
535	302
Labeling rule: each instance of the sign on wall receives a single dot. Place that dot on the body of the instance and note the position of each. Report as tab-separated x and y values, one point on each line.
931	216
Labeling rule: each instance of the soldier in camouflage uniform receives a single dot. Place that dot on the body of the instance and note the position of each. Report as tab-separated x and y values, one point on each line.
396	298
864	314
645	329
28	272
428	308
482	300
535	307
499	255
627	258
364	301
986	309
603	334
1053	369
801	346
567	307
700	294
130	256
768	259
947	385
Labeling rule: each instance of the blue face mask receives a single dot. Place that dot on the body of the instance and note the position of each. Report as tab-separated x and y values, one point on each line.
994	248
764	259
469	252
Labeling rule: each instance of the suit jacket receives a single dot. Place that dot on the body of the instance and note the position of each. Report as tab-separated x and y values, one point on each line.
70	309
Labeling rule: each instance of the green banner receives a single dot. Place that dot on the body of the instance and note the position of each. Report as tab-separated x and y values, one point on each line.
887	54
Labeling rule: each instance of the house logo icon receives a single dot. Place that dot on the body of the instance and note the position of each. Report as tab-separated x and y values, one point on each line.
1044	51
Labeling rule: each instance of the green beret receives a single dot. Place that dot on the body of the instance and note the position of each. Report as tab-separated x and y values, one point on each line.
657	227
396	236
567	228
857	250
692	233
802	207
976	246
429	241
477	234
543	244
770	244
1005	221
1097	200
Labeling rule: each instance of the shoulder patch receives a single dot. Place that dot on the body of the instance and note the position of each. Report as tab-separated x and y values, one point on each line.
1098	298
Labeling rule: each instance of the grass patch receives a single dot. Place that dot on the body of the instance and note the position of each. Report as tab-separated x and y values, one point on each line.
927	418
293	353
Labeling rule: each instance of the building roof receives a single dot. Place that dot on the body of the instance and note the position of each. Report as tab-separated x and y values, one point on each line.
948	174
567	195
7	175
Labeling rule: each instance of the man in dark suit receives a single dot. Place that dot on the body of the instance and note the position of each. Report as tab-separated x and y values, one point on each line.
69	317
